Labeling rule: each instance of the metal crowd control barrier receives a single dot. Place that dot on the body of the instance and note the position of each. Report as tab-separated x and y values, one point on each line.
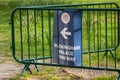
78	36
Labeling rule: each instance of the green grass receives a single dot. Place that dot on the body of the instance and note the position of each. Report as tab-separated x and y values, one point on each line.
105	78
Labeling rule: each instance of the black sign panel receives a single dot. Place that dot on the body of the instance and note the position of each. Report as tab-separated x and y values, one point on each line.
67	37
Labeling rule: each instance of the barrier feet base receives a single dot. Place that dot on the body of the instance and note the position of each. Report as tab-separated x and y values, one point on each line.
26	68
36	66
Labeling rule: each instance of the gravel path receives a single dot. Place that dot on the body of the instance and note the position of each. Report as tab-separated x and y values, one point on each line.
90	74
9	70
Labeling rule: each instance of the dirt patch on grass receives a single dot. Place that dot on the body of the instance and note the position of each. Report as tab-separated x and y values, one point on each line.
90	74
8	70
51	73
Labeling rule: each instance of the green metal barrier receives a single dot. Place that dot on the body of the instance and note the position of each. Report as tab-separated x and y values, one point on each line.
32	35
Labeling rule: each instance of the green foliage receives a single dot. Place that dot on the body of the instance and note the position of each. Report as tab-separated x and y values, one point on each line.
11	4
15	78
47	2
105	78
6	5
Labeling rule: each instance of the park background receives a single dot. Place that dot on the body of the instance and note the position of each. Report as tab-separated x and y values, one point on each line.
6	8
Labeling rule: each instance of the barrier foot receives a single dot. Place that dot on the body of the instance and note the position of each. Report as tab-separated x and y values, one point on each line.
26	67
36	66
105	54
118	76
112	54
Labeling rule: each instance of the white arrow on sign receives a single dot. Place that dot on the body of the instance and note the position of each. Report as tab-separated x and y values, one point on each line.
64	33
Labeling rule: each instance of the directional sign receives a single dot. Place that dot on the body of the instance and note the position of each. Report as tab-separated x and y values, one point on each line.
67	37
64	33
